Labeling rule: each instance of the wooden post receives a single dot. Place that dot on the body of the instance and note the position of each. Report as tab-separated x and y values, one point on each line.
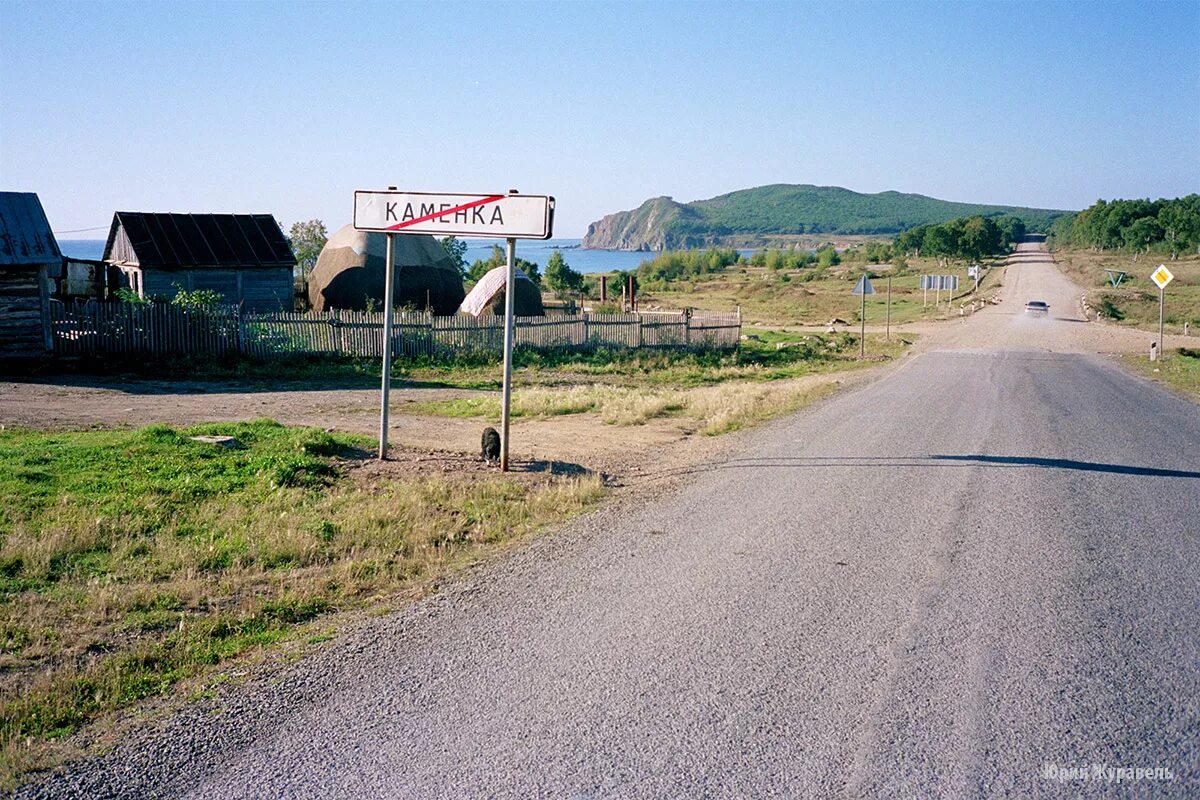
889	308
43	280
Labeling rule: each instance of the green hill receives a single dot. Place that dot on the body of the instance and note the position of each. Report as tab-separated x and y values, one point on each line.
769	214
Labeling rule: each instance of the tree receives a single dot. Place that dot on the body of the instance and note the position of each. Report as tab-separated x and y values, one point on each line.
979	237
498	258
827	256
1142	233
560	278
456	250
1012	229
307	239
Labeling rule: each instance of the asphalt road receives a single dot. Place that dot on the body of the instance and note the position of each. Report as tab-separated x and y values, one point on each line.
953	582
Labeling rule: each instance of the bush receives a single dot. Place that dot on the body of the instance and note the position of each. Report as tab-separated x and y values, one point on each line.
1109	310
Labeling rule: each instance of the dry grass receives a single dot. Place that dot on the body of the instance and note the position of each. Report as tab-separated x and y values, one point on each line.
715	409
812	296
1135	301
132	560
721	409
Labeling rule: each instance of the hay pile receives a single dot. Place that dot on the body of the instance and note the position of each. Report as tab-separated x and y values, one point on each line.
350	272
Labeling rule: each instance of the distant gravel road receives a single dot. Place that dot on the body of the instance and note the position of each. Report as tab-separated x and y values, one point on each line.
977	576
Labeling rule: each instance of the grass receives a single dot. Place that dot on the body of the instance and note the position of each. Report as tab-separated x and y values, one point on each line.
814	296
1179	369
1135	301
133	560
720	393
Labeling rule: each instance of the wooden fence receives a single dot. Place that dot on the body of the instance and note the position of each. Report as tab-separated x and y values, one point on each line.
122	329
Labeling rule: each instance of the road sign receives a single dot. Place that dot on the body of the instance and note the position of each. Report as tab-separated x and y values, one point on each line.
939	282
1115	276
864	286
509	216
1162	276
496	216
972	272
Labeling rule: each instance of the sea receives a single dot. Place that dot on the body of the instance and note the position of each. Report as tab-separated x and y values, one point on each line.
537	251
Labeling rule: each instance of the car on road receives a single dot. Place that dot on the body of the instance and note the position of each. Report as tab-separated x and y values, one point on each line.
1037	308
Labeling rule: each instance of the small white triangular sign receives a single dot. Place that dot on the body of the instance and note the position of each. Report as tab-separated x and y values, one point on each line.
864	286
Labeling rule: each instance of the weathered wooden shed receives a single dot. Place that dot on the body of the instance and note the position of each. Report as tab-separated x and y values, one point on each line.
27	252
245	257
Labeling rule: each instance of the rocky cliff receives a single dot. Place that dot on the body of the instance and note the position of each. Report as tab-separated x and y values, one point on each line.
767	215
644	228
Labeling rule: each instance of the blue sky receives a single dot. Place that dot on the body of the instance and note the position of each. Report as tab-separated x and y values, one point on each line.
287	108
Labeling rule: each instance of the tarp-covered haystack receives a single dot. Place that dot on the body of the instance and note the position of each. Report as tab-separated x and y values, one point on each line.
350	272
487	297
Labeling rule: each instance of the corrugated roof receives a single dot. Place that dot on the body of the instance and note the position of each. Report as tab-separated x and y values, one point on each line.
25	235
200	240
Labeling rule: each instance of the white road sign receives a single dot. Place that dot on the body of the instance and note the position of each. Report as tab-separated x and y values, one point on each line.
496	216
1162	276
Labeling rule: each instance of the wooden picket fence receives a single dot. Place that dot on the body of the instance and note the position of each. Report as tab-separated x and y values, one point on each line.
125	329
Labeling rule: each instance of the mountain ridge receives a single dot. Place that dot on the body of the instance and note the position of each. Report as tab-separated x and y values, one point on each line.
780	213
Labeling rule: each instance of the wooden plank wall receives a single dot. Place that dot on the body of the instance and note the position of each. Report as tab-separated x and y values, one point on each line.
164	329
23	308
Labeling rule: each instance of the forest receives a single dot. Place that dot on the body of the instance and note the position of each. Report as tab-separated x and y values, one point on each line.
1166	226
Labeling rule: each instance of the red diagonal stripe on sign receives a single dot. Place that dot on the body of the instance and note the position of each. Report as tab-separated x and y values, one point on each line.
464	207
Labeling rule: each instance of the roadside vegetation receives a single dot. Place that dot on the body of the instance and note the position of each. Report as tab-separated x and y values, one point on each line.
815	294
1177	369
712	393
133	560
1134	237
1134	302
966	239
802	286
1165	227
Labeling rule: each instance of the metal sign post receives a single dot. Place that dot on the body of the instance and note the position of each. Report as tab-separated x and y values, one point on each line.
389	284
862	330
509	216
510	281
864	288
1161	277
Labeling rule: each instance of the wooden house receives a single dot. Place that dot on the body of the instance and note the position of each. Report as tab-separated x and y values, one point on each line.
28	251
244	257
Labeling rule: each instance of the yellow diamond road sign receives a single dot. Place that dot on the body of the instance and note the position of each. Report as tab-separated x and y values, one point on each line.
1162	276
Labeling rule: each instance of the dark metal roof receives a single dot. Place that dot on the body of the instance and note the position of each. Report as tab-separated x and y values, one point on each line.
198	240
25	235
